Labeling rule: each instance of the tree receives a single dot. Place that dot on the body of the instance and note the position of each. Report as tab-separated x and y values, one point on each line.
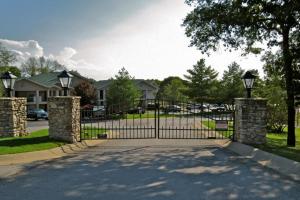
33	66
29	67
122	92
202	83
231	83
276	106
86	91
6	57
166	82
243	24
174	91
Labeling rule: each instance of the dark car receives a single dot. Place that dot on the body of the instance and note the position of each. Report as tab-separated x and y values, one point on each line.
172	108
138	110
37	114
99	111
151	106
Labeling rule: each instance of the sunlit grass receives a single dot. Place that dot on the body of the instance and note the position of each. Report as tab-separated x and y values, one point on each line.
276	143
36	141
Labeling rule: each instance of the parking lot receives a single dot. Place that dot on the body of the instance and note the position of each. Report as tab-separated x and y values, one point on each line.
36	125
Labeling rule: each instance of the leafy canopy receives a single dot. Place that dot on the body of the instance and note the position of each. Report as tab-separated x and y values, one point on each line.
86	90
174	91
33	66
6	57
243	24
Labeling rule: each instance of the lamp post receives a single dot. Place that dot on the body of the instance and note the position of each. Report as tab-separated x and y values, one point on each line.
248	80
8	80
65	79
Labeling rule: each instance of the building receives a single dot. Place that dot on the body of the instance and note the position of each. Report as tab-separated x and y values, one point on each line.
147	88
38	88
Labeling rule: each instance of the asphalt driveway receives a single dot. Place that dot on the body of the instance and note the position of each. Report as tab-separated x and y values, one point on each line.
170	169
36	125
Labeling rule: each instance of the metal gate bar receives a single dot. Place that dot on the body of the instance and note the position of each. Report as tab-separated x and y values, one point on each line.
154	118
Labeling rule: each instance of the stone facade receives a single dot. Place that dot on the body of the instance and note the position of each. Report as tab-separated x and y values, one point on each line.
13	117
250	120
64	118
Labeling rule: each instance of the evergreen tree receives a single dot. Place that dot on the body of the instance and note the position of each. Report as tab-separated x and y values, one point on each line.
202	83
231	84
122	93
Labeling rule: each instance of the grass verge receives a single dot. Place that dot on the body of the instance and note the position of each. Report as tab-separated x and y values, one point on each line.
89	132
146	115
36	141
212	126
276	144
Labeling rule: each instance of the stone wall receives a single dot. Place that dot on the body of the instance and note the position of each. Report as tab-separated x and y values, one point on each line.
13	117
250	120
64	118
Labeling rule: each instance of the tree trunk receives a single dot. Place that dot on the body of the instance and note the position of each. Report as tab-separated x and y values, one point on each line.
291	140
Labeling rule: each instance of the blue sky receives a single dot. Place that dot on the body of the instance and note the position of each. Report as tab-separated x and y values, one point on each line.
98	37
62	22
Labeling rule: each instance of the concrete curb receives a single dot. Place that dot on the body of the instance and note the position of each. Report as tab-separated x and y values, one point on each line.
280	164
28	157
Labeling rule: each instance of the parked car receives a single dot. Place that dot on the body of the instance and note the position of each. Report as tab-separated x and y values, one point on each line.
203	107
193	106
37	114
98	111
151	106
217	108
137	110
172	108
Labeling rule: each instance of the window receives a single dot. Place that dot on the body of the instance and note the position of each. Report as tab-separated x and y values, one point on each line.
101	94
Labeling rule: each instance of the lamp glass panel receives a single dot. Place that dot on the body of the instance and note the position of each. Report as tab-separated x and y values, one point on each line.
12	83
4	81
248	83
64	82
69	82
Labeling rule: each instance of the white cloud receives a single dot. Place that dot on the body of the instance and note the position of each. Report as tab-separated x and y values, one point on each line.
24	48
31	48
149	44
152	44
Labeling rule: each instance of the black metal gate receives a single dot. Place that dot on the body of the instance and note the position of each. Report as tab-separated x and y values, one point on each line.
163	119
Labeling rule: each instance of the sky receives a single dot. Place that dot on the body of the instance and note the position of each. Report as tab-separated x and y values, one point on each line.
99	37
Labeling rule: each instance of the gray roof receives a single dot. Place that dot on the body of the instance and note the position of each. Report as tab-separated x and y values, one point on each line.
49	80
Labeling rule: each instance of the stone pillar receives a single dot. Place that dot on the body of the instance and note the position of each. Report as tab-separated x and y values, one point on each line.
64	118
250	120
13	117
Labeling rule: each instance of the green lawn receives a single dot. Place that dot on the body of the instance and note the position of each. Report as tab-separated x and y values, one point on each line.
298	119
146	115
276	143
91	132
212	125
36	141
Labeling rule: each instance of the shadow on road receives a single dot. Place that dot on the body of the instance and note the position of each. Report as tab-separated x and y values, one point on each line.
112	172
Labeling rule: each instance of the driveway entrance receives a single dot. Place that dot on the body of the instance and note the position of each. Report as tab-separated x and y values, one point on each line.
162	119
150	170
